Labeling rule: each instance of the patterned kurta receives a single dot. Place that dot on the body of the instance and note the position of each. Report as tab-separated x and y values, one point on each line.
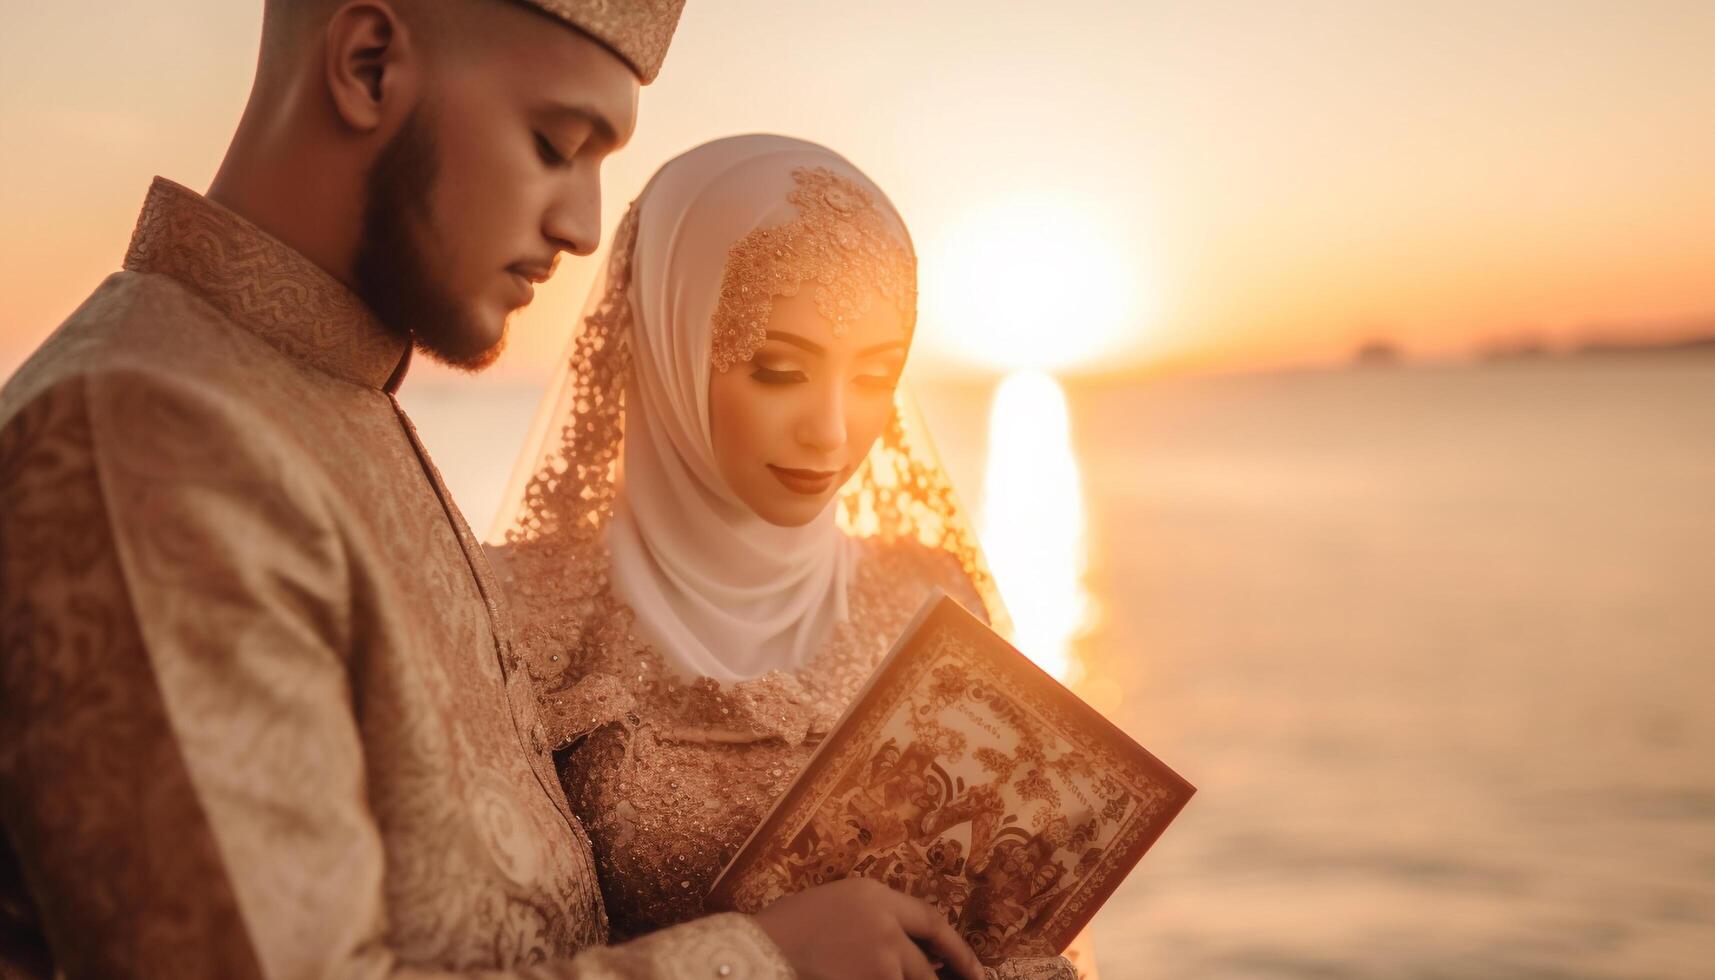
260	709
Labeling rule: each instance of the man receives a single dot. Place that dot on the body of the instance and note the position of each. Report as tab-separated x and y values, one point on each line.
260	714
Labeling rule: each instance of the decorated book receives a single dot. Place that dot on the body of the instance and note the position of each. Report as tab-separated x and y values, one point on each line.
966	776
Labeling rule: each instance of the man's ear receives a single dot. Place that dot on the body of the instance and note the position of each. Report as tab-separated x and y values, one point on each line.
373	69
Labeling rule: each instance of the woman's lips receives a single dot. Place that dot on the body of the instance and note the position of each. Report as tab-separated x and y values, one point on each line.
810	483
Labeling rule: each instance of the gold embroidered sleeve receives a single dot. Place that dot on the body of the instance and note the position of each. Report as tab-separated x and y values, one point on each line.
719	947
111	835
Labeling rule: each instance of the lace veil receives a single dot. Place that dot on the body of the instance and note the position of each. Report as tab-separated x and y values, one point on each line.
560	500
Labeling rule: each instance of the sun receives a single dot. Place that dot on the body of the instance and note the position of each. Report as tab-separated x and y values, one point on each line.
1031	282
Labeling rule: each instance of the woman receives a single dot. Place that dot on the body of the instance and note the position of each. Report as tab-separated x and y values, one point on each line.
707	569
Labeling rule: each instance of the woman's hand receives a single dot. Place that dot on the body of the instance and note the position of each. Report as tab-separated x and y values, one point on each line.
857	929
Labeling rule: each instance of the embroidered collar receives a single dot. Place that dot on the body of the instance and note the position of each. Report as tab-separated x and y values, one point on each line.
265	286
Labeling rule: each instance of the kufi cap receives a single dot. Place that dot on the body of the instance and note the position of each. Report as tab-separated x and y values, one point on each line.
636	30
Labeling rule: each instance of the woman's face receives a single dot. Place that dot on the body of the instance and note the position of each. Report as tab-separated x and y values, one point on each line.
793	424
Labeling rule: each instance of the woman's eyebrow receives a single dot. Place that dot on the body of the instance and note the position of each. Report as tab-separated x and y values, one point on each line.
875	349
803	343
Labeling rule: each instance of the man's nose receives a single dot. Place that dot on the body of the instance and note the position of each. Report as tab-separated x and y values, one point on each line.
573	221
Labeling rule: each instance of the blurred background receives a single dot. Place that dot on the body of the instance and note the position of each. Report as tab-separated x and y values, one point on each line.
1335	383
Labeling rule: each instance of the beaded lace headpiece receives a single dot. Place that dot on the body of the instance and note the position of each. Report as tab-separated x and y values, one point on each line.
842	240
840	243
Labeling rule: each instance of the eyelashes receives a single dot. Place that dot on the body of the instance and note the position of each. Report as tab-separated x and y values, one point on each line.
770	376
549	153
774	376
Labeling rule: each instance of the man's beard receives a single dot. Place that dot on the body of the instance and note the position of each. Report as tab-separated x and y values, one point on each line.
393	277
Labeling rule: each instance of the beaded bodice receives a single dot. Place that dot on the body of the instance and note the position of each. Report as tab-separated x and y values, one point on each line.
670	775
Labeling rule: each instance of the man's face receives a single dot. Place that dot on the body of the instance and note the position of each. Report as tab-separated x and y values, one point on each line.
495	173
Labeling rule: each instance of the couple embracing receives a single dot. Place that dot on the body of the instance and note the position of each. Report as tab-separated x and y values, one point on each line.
269	708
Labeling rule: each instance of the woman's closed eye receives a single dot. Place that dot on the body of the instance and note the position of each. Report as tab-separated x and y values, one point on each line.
879	380
777	372
879	371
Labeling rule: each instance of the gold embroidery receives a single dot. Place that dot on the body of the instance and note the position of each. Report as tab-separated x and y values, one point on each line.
899	493
570	498
840	242
636	30
670	776
337	574
77	674
716	947
262	283
642	775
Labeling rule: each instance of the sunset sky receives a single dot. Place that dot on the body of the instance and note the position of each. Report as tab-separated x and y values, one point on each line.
1136	184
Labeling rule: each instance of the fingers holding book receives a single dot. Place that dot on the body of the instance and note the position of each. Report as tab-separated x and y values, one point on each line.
857	928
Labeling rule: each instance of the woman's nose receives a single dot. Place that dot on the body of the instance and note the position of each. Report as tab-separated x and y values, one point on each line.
823	427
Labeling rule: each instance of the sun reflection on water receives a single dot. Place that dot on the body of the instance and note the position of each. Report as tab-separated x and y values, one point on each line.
1032	520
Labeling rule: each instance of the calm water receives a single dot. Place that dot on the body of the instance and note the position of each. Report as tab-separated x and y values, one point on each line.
1437	645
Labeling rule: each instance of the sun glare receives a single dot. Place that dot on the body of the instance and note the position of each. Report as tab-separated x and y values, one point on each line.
1033	520
1035	283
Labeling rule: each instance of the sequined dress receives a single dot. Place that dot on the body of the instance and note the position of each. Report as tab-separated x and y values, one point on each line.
669	775
672	773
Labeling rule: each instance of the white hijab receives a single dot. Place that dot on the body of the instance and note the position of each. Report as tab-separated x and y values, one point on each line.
717	591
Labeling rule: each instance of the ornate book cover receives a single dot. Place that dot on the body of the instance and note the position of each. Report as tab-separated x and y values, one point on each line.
965	775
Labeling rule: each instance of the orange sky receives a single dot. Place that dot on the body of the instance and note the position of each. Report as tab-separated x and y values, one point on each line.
1280	178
